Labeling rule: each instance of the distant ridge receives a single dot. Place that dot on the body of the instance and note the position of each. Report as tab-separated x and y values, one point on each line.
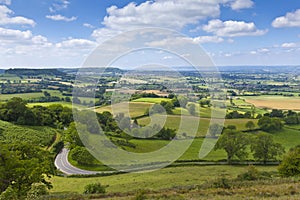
35	72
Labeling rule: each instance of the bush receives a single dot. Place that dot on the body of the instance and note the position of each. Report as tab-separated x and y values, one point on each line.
9	194
37	190
94	188
222	183
290	165
253	174
140	195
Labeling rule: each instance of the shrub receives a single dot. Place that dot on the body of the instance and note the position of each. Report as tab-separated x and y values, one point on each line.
37	190
94	188
290	165
253	174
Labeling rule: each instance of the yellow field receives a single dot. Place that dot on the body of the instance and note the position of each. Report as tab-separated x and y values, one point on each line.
275	102
135	108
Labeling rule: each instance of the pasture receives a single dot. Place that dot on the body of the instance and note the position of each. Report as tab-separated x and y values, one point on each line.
166	178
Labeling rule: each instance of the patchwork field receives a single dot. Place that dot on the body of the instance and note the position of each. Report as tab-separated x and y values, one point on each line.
274	102
26	96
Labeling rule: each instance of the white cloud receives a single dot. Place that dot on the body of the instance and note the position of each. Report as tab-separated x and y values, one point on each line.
59	5
77	43
6	2
61	18
241	4
6	18
208	39
289	45
291	19
88	25
232	28
161	13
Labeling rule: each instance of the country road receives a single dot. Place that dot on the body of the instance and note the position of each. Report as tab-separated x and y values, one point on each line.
62	163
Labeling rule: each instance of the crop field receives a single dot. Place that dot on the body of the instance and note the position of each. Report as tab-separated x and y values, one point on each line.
136	109
275	102
36	135
46	104
157	180
151	100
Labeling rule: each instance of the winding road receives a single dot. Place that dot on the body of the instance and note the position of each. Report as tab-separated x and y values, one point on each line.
62	163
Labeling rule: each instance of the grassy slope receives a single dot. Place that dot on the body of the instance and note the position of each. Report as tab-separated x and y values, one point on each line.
156	180
26	96
41	136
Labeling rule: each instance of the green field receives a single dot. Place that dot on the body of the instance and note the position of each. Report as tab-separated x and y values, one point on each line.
27	96
157	180
36	135
173	122
136	109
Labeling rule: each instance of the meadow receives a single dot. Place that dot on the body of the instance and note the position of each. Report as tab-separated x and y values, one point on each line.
27	96
156	180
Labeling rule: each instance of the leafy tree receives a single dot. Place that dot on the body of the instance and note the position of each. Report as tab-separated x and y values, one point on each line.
214	129
265	148
290	165
276	113
192	109
82	156
250	125
168	106
234	143
270	124
21	165
71	136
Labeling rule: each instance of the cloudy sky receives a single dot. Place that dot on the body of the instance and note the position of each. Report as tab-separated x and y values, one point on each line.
62	33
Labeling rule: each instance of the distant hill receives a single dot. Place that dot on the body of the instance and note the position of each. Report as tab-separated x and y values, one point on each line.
92	70
35	72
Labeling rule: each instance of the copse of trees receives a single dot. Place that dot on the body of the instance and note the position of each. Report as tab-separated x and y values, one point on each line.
16	111
269	124
262	145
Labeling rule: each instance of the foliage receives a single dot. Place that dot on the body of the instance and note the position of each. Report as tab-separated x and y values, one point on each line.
250	125
265	148
214	129
16	111
21	165
290	165
269	124
37	190
82	156
252	174
94	188
234	143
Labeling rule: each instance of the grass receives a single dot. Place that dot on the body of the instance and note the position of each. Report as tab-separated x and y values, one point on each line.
136	109
27	96
36	135
173	122
157	180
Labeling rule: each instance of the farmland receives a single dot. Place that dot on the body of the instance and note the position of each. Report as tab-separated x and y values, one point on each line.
40	136
275	102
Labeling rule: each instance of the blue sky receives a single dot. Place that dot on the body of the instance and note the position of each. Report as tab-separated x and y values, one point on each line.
62	33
